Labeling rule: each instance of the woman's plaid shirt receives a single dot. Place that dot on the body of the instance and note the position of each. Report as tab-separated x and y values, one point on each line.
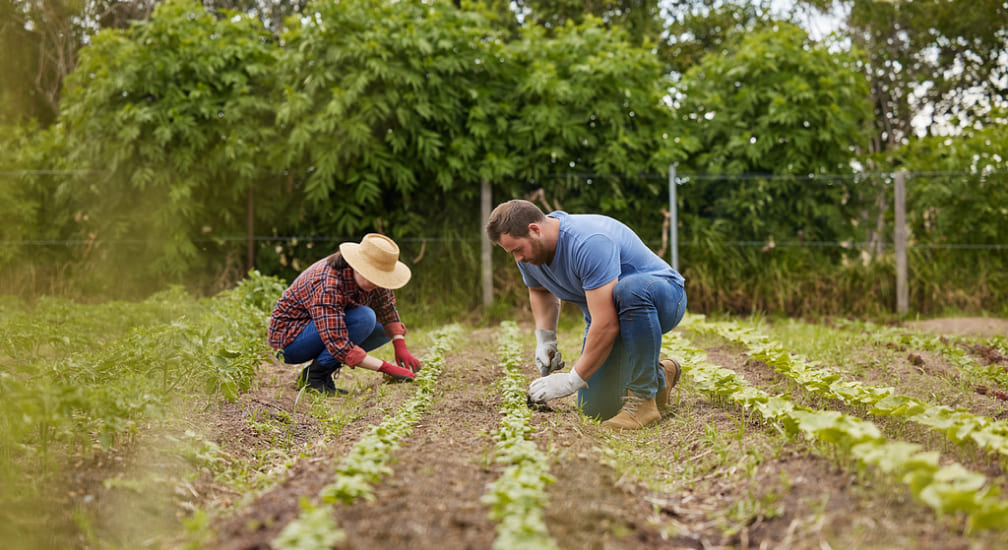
322	294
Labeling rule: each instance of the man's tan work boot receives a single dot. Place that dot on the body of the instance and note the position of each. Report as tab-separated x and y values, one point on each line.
672	372
636	413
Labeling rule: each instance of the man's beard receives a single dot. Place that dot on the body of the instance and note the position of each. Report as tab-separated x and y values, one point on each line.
539	256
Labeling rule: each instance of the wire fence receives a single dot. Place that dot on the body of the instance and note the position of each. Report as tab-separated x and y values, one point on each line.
683	182
653	243
947	259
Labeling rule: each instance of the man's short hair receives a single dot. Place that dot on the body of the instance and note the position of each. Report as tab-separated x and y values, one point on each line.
513	218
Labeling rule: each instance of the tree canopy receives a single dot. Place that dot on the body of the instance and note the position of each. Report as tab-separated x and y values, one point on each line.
367	116
175	118
777	104
934	65
335	118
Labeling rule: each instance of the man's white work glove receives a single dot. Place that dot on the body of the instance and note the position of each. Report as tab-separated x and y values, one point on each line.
547	357
555	386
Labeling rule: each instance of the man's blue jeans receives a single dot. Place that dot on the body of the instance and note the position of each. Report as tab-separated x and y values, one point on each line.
362	325
648	307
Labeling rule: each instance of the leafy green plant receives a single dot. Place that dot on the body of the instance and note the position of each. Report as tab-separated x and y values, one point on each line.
957	425
517	497
368	460
947	487
75	403
314	528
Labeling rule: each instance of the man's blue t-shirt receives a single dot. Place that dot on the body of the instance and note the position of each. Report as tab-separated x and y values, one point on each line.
591	251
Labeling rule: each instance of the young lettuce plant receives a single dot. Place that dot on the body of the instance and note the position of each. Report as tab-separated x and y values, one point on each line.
947	489
517	498
368	461
956	425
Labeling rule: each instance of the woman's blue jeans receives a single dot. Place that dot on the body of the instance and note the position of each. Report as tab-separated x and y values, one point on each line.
648	307
362	325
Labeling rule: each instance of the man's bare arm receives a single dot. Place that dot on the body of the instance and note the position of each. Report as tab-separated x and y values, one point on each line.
545	308
603	331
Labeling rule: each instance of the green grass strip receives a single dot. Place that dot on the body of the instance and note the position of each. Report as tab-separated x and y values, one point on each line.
54	328
368	461
950	489
517	498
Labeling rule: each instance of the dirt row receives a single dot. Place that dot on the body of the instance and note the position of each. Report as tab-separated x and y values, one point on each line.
706	476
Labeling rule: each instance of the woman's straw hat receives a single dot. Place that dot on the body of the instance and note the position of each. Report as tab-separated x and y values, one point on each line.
377	259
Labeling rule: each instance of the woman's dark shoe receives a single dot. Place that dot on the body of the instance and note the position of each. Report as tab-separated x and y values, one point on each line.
319	378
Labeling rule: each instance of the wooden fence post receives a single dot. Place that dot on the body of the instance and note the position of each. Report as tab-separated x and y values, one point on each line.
485	244
900	241
250	233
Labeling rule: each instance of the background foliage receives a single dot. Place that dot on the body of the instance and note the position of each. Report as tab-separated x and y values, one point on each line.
177	120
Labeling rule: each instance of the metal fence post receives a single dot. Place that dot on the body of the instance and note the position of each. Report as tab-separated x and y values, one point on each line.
673	218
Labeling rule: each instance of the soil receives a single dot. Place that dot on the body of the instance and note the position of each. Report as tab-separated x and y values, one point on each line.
706	476
985	327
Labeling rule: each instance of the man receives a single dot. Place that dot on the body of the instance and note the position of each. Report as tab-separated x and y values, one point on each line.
339	309
629	297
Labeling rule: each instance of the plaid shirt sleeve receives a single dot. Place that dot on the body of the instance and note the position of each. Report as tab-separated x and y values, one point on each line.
316	295
383	302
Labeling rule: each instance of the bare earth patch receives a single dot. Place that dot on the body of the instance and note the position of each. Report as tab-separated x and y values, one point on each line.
985	327
432	498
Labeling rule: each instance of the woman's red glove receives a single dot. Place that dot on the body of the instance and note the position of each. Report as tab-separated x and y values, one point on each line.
403	357
398	373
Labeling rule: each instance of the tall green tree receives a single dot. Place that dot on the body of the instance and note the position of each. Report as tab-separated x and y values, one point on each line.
641	19
934	65
41	41
960	194
369	116
778	104
387	102
590	102
695	28
388	108
176	114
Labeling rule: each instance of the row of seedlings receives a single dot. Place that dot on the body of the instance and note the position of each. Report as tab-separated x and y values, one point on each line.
996	347
950	489
959	426
518	497
368	460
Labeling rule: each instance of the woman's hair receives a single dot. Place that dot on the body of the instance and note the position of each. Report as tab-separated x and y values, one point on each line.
337	261
513	218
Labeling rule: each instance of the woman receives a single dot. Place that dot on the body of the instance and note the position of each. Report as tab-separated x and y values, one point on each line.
339	309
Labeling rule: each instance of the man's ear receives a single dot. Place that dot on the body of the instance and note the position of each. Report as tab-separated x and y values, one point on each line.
535	229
